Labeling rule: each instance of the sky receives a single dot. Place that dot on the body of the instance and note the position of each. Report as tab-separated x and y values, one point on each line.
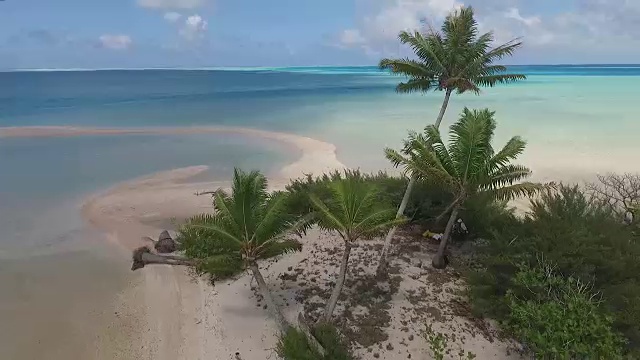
210	33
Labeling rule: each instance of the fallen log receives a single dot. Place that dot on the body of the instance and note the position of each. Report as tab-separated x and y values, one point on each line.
143	256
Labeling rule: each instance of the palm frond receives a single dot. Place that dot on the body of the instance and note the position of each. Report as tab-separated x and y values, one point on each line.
516	190
327	220
507	175
281	247
416	85
429	49
471	142
356	209
492	80
221	265
407	67
514	147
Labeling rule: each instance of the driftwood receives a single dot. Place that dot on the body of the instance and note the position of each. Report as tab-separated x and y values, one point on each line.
143	256
165	244
304	327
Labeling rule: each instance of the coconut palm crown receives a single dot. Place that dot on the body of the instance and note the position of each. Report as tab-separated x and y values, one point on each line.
457	58
468	166
248	225
354	210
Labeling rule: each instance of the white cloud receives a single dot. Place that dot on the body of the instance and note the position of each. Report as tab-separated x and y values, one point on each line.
379	27
351	37
172	16
514	13
171	4
115	42
194	28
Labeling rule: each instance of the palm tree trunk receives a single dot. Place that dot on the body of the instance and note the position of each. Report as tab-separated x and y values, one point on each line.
333	300
439	261
271	304
443	108
382	265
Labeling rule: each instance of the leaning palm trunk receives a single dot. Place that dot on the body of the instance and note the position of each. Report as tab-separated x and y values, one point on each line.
438	260
382	264
443	108
333	300
271	304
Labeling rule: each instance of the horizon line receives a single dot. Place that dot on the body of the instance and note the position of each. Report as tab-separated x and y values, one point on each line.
249	68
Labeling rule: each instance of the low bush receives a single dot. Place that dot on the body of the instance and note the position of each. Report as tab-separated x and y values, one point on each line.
583	239
426	202
294	345
557	317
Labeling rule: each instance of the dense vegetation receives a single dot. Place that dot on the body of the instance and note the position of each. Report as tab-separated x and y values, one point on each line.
590	275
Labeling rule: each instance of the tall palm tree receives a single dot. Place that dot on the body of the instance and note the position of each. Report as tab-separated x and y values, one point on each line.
455	59
354	211
248	225
468	167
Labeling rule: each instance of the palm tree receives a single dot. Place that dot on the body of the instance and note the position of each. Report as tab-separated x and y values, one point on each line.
468	167
248	225
455	59
354	211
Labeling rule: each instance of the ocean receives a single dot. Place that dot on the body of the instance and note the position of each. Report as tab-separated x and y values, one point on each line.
578	120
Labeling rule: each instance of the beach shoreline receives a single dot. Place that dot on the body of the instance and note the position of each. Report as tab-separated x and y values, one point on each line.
130	210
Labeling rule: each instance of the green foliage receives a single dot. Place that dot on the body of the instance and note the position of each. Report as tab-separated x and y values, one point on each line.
559	317
583	239
294	345
456	59
439	345
483	216
355	209
468	166
248	224
426	202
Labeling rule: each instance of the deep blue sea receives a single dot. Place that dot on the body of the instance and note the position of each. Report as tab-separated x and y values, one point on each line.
578	120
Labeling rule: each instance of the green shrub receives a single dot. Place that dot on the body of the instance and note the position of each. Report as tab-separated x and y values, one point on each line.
439	346
426	202
559	317
582	238
295	346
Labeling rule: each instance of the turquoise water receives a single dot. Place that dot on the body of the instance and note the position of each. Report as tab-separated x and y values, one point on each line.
42	175
578	120
567	113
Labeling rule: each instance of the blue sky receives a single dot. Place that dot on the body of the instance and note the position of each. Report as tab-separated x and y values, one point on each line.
196	33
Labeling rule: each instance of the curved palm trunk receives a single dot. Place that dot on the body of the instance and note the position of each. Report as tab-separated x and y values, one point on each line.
439	261
333	300
443	108
271	304
382	265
